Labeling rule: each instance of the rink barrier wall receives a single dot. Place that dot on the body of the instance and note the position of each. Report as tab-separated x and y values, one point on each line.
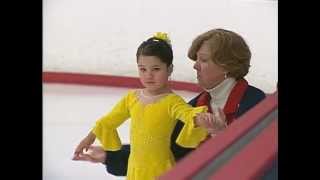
253	161
245	150
108	80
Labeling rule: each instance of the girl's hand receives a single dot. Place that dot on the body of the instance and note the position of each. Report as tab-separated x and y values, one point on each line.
218	121
84	145
214	123
203	120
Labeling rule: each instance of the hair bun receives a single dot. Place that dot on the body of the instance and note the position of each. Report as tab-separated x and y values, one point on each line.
163	36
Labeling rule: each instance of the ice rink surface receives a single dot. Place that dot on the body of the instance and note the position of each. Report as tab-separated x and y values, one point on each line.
69	112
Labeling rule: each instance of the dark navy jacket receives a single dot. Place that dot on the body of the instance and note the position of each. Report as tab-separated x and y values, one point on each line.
117	161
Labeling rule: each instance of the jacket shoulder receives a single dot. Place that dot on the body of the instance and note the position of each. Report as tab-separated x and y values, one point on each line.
251	97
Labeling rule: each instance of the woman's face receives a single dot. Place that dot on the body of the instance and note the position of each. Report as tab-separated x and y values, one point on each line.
209	74
153	73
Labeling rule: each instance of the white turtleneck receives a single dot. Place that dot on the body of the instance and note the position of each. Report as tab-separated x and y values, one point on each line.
220	93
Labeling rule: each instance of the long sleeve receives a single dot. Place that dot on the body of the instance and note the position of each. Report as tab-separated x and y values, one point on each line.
178	151
105	128
190	136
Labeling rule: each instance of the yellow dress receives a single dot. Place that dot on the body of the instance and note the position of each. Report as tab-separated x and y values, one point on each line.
150	132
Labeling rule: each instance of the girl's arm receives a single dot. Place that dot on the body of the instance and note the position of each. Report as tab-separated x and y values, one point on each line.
190	136
84	145
178	151
105	128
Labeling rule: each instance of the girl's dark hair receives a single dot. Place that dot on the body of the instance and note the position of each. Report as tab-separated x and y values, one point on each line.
156	47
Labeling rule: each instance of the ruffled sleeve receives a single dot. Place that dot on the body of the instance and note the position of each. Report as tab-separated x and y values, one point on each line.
105	128
190	136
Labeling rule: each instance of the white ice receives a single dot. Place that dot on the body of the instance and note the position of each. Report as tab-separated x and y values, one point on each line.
69	112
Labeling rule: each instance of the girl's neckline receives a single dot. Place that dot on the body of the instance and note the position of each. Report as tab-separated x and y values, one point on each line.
153	96
145	99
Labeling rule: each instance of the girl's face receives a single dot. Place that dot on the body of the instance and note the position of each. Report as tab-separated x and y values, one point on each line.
153	73
209	74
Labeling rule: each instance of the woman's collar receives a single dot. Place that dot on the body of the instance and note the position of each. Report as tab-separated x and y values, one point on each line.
222	90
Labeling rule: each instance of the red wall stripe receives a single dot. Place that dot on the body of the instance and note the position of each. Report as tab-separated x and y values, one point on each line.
108	80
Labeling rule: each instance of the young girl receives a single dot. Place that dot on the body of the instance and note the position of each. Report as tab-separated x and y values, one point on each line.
154	111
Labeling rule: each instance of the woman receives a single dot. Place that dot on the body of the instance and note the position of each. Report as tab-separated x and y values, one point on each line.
222	60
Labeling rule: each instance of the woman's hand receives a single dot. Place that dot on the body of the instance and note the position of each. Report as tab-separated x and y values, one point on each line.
95	154
84	145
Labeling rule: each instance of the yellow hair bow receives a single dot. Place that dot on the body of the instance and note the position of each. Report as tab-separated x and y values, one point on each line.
163	36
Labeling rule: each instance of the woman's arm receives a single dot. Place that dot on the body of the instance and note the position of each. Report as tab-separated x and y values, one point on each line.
117	161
